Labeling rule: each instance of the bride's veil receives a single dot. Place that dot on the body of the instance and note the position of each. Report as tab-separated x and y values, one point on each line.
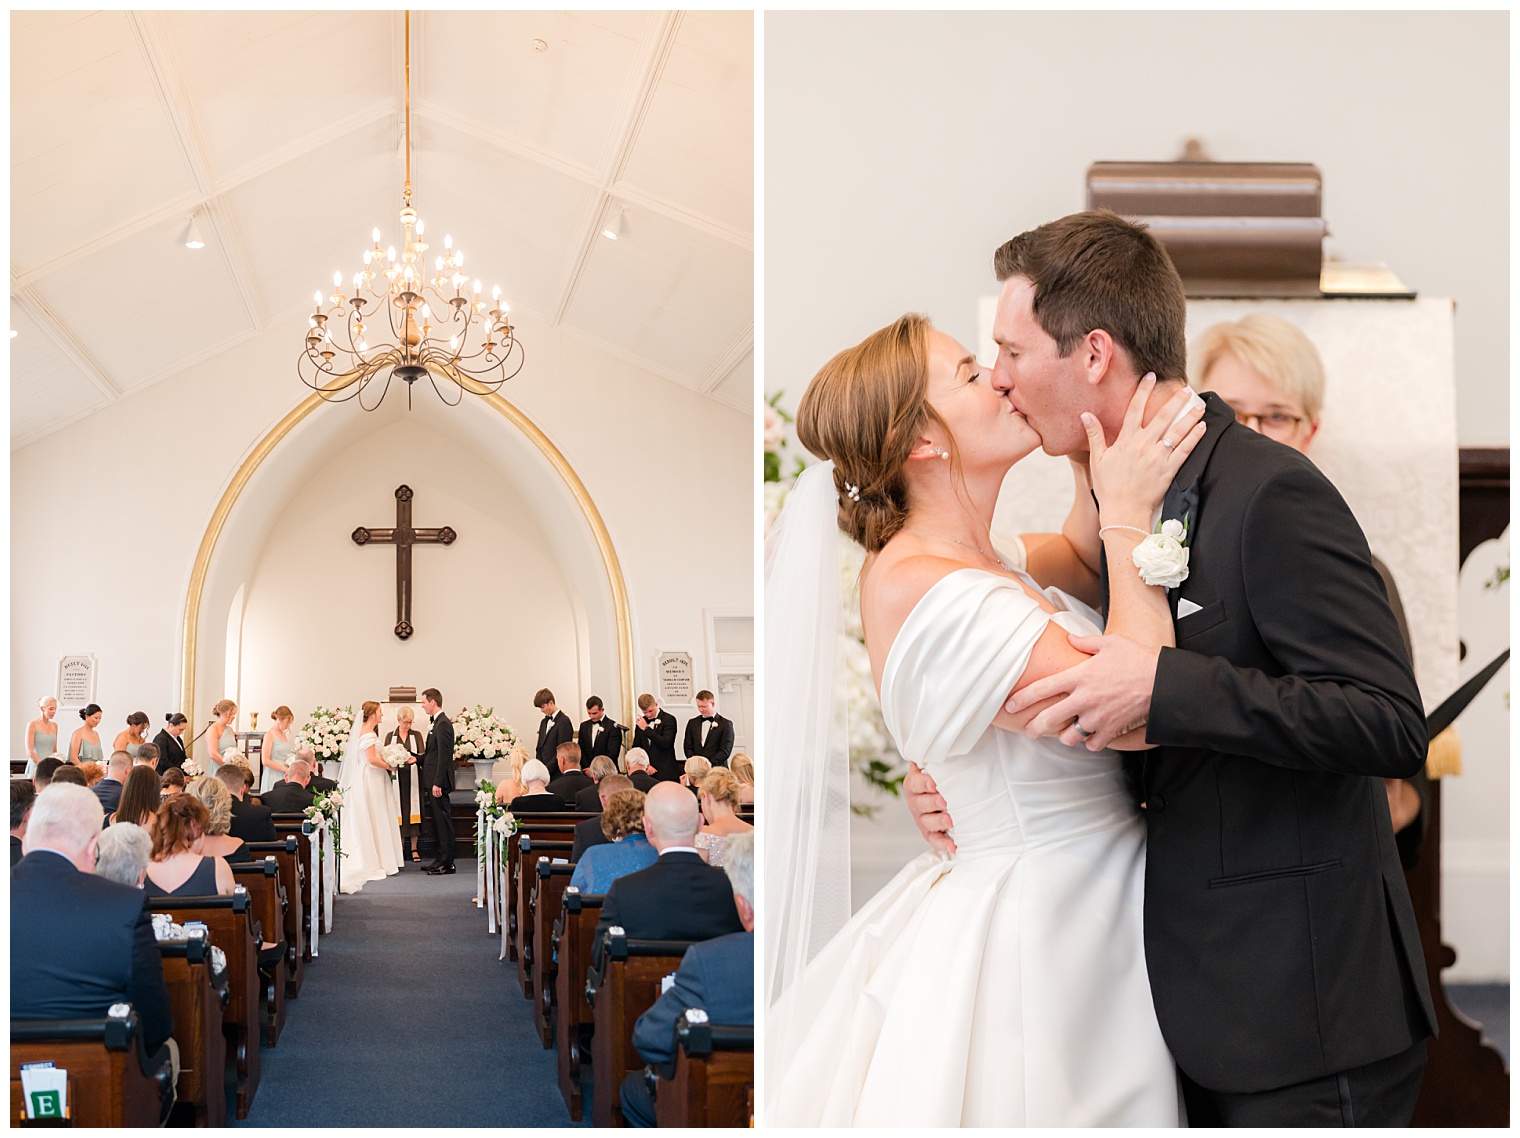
348	774
806	772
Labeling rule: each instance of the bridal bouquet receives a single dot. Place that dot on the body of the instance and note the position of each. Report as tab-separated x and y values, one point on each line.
193	768
326	731
395	756
478	732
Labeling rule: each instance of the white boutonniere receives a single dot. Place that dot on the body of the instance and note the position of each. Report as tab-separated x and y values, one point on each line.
1162	557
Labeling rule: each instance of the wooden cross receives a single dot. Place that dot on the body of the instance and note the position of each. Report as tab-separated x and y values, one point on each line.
403	537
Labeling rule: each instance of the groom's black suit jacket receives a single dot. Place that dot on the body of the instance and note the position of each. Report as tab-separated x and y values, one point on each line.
1279	937
438	756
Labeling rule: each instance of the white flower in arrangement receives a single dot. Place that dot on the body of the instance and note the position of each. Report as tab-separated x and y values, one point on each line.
485	799
193	768
395	755
505	825
775	428
1162	558
478	732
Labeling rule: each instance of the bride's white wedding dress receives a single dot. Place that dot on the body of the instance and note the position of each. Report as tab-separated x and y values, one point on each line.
1004	985
368	829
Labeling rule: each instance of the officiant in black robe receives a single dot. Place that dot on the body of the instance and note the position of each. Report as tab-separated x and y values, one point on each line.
408	778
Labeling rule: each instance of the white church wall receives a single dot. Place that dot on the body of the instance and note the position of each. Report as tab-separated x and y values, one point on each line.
108	513
885	196
494	619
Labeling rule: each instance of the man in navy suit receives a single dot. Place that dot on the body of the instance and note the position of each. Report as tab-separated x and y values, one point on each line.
108	789
717	976
80	943
679	897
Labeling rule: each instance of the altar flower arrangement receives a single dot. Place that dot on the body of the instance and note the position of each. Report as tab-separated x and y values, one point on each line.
326	731
478	732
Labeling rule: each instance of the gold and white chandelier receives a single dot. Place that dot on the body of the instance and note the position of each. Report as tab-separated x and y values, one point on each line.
435	327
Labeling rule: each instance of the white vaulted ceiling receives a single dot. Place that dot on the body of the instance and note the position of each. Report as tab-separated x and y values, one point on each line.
283	132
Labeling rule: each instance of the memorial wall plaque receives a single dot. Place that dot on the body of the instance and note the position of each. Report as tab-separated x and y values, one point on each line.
76	680
676	683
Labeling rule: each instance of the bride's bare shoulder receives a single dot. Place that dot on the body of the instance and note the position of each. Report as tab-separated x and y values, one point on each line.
895	580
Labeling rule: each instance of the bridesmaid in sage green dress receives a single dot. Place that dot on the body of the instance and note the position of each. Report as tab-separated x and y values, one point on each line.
278	748
41	735
221	739
132	739
84	745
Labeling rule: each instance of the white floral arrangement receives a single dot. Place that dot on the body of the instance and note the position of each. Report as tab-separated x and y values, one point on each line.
395	756
192	768
485	797
325	732
505	825
323	815
478	732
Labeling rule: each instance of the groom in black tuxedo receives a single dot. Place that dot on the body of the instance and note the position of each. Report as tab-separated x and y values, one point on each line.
438	780
1280	942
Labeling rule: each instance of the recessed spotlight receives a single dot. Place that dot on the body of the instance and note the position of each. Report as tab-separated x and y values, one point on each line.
615	228
192	236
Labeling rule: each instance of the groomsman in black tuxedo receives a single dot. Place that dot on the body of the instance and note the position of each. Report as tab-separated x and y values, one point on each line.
553	729
599	735
438	780
709	734
656	734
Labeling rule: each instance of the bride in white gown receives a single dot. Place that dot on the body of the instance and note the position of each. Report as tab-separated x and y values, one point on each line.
367	820
1004	984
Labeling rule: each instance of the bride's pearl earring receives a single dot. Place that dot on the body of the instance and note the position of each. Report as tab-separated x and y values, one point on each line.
942	452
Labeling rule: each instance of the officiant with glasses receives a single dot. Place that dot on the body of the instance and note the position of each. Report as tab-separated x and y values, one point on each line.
407	780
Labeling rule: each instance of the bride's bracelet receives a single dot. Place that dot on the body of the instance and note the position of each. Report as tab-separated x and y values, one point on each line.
1135	529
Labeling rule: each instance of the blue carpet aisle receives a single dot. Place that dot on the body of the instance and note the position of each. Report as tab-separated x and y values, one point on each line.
408	1019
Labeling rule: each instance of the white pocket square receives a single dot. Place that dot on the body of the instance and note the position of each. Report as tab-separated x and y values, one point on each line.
1186	607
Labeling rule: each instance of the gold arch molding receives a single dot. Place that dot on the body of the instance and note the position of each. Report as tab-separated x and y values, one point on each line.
190	628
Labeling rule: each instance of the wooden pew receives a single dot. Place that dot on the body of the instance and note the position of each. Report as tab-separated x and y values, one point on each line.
529	851
713	1075
626	986
196	999
267	897
572	1024
289	825
556	826
230	923
292	879
548	889
111	1082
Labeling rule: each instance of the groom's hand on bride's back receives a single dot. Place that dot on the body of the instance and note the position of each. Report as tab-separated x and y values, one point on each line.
928	809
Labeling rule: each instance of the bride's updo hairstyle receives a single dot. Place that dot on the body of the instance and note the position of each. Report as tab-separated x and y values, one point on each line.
866	410
368	708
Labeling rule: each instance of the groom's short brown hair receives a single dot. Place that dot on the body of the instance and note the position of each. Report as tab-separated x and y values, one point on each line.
1097	270
432	694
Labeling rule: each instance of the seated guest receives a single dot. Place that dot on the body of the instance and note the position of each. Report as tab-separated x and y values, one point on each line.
637	761
535	796
599	735
147	756
744	770
572	779
124	852
249	778
553	729
709	734
508	774
214	796
108	787
93	772
293	795
176	868
588	801
139	799
23	794
174	781
694	771
320	783
73	776
625	850
589	833
718	794
250	821
42	777
80	943
717	976
679	897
